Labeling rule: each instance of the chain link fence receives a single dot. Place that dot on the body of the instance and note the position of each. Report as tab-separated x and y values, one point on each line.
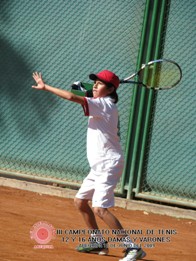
44	137
41	135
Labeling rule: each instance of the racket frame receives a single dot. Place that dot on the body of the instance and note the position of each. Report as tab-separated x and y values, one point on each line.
128	79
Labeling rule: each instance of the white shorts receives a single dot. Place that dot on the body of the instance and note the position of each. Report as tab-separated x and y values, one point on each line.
100	183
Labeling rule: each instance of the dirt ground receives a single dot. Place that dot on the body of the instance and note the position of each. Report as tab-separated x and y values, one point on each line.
28	218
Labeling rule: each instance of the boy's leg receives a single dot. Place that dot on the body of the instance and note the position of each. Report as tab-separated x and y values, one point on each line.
99	245
108	218
87	213
132	252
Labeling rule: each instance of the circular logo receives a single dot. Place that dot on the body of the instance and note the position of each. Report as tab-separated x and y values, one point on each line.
42	232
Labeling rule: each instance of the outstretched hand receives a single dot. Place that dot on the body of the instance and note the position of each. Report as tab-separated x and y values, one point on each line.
38	79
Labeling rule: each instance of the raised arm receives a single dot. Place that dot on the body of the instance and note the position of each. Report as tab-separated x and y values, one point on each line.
41	85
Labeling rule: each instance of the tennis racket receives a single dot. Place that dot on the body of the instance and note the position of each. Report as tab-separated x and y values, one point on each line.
159	74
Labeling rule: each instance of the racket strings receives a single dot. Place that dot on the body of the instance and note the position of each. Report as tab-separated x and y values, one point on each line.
160	74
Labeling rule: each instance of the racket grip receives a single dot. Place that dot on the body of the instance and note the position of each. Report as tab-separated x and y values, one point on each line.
132	82
123	81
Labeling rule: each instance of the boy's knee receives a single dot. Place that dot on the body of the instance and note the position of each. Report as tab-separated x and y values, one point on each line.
80	203
100	212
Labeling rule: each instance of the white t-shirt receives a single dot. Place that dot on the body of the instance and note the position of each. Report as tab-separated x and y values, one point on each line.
103	142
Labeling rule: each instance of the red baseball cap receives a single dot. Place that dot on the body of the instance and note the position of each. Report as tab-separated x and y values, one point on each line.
106	77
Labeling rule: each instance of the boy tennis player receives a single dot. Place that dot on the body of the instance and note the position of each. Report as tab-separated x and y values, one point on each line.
105	158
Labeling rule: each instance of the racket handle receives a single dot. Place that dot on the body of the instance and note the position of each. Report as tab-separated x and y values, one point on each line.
128	81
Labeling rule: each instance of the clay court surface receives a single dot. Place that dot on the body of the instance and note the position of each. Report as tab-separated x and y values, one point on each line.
22	210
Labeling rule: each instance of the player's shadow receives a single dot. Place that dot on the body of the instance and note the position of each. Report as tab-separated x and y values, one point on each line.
21	106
